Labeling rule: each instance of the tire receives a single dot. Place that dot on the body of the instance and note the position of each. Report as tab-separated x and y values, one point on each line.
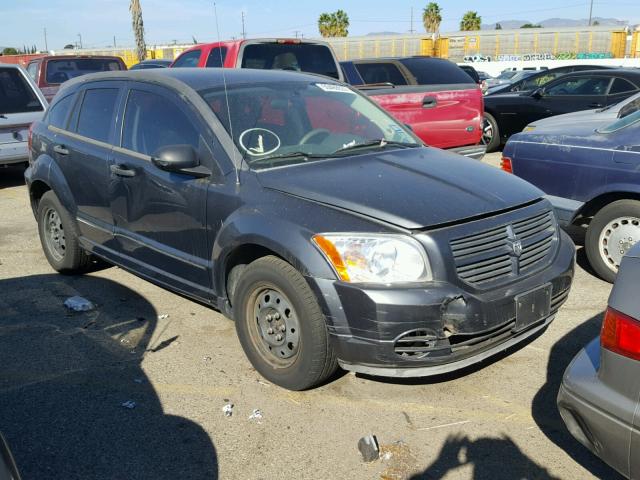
303	356
59	237
617	224
491	141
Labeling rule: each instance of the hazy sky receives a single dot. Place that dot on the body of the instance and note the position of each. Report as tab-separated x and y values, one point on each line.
98	21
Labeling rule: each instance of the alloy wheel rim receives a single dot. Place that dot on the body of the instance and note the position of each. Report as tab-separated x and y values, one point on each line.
617	238
487	131
275	327
54	234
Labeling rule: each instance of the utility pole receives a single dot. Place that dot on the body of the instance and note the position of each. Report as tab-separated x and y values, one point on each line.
296	32
46	46
80	37
114	41
412	30
590	12
244	34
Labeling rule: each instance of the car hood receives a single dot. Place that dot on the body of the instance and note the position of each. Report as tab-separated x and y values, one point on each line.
410	188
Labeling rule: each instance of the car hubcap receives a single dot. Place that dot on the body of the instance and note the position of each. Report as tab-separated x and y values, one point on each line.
617	238
54	234
277	326
487	132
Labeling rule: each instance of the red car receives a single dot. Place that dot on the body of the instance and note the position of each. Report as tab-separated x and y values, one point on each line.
435	97
51	71
310	56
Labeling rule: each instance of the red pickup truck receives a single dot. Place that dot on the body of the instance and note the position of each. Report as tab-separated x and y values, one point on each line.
310	56
435	97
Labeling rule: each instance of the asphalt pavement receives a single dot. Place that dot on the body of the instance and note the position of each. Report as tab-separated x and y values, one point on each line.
135	389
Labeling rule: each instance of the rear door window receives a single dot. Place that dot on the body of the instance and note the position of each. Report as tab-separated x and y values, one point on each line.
216	57
188	60
298	57
435	71
380	72
61	70
16	94
59	112
153	121
96	113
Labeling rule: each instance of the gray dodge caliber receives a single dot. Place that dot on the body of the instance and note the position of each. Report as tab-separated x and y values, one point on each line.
296	206
599	399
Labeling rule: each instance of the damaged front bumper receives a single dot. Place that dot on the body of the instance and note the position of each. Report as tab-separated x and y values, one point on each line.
416	332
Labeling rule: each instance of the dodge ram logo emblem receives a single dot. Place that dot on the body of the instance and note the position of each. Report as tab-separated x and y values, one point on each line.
516	246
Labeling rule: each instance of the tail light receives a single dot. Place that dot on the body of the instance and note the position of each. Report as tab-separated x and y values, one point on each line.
621	334
288	41
30	137
505	164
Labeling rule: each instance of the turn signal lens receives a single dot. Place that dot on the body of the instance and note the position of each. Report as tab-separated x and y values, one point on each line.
332	254
505	164
621	334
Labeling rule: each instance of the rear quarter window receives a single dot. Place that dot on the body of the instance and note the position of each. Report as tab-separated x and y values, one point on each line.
188	60
96	113
59	112
16	94
435	71
216	57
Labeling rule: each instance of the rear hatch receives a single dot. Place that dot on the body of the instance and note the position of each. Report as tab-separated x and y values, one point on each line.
19	107
444	109
294	54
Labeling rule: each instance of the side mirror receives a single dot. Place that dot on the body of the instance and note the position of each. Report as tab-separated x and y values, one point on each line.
181	159
538	93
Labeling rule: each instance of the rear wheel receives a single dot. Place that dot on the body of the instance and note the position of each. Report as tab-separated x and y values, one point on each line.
280	325
490	133
611	234
59	237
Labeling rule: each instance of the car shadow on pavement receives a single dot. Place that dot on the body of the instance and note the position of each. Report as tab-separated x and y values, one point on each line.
491	458
75	402
12	176
544	409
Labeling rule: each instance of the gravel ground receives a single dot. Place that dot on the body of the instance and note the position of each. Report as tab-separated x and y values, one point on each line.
64	378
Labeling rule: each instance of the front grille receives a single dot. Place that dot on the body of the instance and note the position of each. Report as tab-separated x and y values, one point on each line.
506	251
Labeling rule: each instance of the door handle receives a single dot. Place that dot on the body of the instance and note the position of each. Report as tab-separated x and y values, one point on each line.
595	105
61	149
429	102
122	171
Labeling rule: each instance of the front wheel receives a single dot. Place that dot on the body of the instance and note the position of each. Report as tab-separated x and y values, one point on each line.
611	234
280	325
490	133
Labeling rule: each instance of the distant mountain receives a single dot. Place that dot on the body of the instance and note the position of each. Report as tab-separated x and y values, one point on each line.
556	23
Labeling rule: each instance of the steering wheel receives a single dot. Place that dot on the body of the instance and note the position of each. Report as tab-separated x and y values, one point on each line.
309	135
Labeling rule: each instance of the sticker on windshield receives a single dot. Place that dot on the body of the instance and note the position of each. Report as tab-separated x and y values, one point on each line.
330	87
259	141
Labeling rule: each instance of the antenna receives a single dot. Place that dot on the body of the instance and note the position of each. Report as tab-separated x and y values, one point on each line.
226	96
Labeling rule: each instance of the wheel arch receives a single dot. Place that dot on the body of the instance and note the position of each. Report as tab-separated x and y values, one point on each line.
593	206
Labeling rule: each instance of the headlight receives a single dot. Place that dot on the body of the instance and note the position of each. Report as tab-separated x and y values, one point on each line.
529	128
370	258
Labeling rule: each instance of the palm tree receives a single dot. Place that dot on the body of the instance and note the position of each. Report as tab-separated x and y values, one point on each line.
334	24
470	21
431	17
138	29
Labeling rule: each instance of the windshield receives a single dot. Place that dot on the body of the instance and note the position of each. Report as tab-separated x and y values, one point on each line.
299	57
627	120
276	124
59	71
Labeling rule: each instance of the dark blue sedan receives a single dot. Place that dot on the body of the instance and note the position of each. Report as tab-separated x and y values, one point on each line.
588	163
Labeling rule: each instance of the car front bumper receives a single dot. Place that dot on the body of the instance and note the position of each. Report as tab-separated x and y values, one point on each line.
371	326
15	152
585	401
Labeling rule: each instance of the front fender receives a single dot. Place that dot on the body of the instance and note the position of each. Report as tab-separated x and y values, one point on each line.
285	238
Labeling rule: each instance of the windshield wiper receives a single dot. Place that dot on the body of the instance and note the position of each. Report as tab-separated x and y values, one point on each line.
380	143
285	156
